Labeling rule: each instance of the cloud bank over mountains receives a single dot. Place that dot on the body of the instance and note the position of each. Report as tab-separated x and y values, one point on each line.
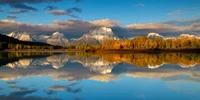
75	28
17	13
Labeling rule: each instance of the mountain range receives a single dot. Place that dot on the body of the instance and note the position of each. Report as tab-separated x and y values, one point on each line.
93	37
7	42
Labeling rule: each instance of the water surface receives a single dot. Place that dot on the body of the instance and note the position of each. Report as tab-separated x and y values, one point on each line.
90	76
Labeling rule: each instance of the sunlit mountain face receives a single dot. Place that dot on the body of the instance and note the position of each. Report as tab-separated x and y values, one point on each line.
76	75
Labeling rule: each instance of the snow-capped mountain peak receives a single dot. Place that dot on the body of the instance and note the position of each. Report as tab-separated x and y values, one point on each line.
20	36
57	35
58	38
44	36
96	36
103	34
154	35
186	36
102	31
13	34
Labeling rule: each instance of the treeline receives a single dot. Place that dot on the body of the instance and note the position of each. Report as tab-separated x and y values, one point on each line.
22	46
156	43
14	44
145	43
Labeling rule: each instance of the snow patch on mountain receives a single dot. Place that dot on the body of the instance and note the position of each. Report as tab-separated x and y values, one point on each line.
186	36
103	34
20	36
154	35
85	39
97	35
58	38
41	38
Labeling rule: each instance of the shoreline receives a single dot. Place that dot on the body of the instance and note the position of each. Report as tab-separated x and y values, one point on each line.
144	50
64	50
111	50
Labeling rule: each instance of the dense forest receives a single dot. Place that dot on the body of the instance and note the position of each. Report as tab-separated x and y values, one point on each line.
15	44
145	43
137	43
155	43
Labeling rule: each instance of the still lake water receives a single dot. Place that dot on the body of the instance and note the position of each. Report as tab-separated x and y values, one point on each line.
82	76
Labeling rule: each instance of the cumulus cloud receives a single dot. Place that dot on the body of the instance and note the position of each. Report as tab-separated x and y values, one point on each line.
58	12
11	16
18	11
106	23
73	23
71	28
76	28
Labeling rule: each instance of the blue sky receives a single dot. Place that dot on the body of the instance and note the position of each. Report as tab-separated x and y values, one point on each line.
126	12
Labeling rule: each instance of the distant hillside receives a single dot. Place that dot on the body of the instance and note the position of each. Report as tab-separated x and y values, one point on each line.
7	42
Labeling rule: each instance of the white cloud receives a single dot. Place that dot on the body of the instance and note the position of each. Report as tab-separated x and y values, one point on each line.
75	28
106	23
58	12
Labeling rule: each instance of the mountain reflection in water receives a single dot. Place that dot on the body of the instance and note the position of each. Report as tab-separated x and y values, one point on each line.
172	75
